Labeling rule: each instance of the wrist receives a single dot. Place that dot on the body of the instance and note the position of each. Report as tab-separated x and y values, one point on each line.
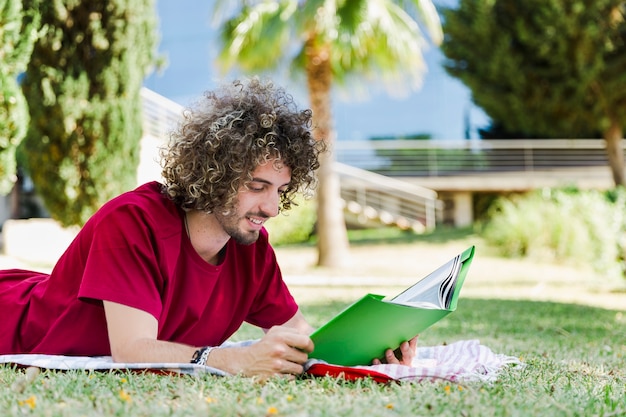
201	355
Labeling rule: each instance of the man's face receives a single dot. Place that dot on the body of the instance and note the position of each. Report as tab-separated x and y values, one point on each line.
256	202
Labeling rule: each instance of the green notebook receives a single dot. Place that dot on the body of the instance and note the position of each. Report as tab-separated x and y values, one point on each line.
365	329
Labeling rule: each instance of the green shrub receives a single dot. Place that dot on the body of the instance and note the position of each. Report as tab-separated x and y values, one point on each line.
18	31
295	225
82	85
582	227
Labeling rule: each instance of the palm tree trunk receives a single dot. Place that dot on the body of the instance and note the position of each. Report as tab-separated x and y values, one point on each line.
615	154
332	244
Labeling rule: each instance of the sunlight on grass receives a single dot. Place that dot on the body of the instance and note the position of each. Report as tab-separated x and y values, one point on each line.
575	365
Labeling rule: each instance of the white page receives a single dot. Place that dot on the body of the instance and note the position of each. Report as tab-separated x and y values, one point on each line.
427	292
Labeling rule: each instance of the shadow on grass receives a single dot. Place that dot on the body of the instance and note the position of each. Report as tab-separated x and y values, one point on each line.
519	325
392	235
397	236
515	327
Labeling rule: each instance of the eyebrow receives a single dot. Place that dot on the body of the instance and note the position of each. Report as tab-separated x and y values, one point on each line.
264	181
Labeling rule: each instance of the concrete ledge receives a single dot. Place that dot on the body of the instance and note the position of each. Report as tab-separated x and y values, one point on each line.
36	241
598	178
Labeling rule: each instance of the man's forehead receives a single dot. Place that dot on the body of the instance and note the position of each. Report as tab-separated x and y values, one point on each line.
267	171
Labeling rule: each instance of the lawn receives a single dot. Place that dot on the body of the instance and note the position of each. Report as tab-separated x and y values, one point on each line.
575	365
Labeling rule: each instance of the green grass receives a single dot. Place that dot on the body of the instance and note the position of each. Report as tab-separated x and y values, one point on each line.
393	235
575	360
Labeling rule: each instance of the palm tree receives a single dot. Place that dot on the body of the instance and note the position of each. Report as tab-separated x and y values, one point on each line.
329	40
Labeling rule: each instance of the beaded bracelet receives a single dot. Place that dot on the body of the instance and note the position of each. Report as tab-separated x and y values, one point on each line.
201	355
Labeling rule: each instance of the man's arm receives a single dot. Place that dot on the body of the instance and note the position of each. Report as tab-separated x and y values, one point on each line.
283	349
133	337
299	323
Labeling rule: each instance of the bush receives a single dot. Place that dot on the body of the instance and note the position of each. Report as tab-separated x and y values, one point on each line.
18	31
582	227
294	226
82	85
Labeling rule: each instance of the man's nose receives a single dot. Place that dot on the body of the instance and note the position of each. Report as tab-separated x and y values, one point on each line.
270	204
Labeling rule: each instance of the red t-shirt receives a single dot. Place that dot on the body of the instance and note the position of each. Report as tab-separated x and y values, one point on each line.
134	251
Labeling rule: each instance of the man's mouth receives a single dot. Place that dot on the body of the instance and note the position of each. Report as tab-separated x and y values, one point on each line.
256	221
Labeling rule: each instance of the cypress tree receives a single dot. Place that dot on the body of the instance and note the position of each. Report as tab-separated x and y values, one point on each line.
17	35
83	86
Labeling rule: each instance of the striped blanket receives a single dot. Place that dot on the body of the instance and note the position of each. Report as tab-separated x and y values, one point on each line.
461	361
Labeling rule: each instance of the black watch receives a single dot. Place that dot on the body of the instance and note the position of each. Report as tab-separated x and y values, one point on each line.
201	355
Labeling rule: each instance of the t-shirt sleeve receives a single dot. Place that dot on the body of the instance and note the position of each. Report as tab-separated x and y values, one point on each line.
122	264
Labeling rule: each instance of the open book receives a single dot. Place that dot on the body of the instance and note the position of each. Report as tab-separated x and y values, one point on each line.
365	329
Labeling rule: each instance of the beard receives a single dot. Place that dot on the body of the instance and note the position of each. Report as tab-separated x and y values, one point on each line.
230	223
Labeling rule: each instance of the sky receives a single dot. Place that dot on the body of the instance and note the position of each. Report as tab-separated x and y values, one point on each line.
441	107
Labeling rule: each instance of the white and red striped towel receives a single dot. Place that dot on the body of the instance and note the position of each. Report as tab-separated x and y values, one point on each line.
460	361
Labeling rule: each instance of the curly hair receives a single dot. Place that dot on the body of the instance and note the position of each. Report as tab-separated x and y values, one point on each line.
223	138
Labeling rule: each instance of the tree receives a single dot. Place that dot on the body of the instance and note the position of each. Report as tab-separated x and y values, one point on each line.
17	36
544	68
83	86
329	41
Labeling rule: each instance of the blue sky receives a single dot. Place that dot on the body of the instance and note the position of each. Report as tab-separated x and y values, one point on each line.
439	108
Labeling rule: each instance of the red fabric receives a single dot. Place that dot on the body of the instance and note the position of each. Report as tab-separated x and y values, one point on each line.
349	373
134	251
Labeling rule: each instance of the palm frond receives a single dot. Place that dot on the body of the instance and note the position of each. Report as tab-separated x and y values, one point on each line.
386	44
257	37
378	39
427	14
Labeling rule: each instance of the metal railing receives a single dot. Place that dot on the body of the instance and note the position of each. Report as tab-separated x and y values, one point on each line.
160	114
447	158
378	199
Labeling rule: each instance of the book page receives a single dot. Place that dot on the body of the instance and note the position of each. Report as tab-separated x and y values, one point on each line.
447	286
433	291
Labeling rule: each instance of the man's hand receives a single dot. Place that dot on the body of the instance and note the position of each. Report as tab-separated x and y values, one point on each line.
282	351
403	355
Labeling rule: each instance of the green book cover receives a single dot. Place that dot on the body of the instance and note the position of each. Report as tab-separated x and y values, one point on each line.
365	329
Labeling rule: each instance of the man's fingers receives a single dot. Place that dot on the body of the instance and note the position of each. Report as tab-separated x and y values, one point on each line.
408	351
293	368
300	341
390	356
296	355
404	354
405	349
288	348
292	338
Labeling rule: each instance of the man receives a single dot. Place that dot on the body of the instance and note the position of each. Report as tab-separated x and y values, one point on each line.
167	272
